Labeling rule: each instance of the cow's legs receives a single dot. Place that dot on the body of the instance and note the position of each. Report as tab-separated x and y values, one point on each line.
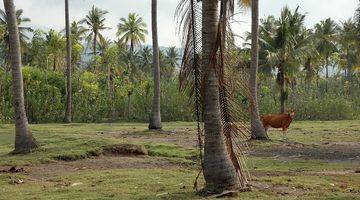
284	133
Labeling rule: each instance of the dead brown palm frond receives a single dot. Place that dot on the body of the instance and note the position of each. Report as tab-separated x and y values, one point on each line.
233	110
188	15
235	129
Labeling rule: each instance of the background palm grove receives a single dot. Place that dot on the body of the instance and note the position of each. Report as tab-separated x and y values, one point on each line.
112	79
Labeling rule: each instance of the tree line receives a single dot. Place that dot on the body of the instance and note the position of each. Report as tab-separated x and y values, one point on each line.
111	80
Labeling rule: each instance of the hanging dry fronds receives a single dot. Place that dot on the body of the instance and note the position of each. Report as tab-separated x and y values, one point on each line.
232	81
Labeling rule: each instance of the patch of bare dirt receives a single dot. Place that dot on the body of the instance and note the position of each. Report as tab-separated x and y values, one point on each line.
309	173
182	137
125	149
280	190
51	170
339	151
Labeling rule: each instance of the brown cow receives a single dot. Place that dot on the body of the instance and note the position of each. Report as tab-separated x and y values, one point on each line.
278	121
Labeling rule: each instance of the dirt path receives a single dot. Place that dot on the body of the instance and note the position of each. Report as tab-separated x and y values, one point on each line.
333	152
51	170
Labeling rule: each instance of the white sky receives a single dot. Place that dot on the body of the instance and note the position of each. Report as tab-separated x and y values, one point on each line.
49	14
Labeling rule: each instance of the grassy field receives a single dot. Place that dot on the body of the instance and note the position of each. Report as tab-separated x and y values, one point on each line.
321	160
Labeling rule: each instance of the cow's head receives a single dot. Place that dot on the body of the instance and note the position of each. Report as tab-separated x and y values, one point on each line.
292	113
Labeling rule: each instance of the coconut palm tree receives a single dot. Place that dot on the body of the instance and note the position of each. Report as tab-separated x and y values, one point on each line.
219	172
23	31
257	129
68	64
172	57
155	116
221	168
77	32
24	141
348	40
95	21
132	31
286	47
145	56
326	32
55	47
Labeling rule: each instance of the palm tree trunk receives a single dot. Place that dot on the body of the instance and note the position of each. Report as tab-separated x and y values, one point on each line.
219	173
155	117
24	141
327	73
257	129
54	63
68	65
94	43
112	92
282	90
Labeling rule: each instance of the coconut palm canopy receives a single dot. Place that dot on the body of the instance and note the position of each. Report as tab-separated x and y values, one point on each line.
132	31
95	23
24	31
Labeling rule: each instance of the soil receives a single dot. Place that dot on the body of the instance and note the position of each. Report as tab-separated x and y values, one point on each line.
332	152
51	170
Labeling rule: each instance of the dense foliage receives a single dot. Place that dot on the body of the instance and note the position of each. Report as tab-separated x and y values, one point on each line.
319	69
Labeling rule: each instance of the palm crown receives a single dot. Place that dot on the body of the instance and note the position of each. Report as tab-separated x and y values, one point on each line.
132	31
95	21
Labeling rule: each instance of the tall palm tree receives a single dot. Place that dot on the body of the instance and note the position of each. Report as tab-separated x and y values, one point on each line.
207	76
77	34
132	31
219	172
286	46
326	32
349	41
95	21
172	57
55	47
155	116
77	31
68	64
145	56
24	141
23	31
257	129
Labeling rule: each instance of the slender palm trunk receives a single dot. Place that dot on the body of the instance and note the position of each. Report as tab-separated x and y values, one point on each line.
327	72
68	65
24	141
94	43
257	129
155	118
219	172
54	64
112	91
282	89
94	46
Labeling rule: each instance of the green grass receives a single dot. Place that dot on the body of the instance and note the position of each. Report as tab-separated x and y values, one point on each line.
260	164
78	141
166	184
316	132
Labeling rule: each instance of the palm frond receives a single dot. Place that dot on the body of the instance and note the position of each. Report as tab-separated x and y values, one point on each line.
191	76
